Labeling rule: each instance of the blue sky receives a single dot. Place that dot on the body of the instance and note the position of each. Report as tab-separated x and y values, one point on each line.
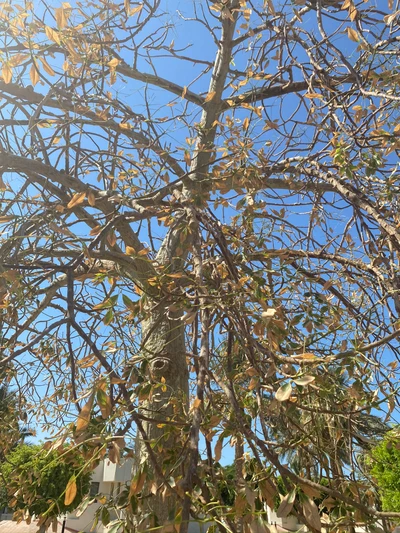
132	93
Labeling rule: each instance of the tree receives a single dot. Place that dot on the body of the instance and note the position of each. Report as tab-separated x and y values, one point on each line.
11	411
200	225
384	466
44	484
9	415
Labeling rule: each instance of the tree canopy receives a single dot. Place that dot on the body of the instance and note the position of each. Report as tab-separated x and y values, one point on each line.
10	413
200	243
44	484
385	468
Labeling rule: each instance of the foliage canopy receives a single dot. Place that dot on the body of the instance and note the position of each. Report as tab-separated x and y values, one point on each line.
200	243
385	468
44	484
11	409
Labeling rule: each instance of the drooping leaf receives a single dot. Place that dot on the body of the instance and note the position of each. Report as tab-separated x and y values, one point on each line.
268	492
304	380
61	15
46	66
311	514
34	75
218	450
114	453
52	35
286	504
77	199
352	35
284	392
104	402
91	199
137	483
70	491
84	416
6	73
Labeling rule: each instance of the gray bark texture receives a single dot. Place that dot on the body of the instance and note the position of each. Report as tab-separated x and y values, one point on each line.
162	333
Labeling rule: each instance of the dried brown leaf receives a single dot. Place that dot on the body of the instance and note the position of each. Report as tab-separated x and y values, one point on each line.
70	491
84	416
52	35
311	514
286	504
352	35
218	450
77	199
6	73
137	483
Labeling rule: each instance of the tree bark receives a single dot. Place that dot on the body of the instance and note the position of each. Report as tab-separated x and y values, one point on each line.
164	350
162	332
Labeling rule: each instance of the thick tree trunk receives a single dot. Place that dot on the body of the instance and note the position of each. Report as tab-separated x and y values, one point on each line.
163	333
164	349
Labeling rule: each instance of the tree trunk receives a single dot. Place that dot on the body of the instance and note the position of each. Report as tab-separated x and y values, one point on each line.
164	349
163	337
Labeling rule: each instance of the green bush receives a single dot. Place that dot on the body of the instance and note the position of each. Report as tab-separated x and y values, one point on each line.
384	466
36	480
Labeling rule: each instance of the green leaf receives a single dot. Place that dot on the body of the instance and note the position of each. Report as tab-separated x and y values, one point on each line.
105	516
128	303
116	526
108	317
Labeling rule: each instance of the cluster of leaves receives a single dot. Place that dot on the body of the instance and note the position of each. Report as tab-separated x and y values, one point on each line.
11	412
44	483
384	466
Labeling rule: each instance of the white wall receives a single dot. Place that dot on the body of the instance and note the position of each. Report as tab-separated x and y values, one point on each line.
109	476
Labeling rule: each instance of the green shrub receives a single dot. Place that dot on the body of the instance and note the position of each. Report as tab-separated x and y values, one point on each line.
36	480
384	466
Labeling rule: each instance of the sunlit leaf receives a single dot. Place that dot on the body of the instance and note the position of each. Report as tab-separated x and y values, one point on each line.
34	75
61	17
91	199
286	504
137	483
209	97
352	35
77	199
52	35
6	73
46	66
84	416
304	380
70	491
104	402
284	392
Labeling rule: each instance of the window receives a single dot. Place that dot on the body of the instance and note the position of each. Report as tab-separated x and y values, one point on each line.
94	488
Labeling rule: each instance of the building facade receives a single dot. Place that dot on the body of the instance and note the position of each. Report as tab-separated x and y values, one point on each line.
108	480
